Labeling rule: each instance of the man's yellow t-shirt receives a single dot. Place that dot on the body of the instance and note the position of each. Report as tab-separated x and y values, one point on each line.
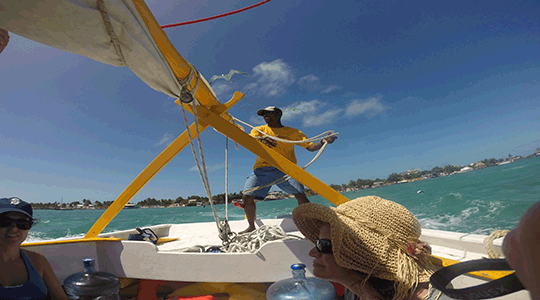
285	149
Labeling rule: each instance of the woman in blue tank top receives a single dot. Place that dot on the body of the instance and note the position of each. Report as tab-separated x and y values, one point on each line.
23	274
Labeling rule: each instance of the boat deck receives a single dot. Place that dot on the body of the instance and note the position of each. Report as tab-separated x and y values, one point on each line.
144	260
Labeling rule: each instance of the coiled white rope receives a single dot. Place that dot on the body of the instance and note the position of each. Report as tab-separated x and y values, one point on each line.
247	242
488	243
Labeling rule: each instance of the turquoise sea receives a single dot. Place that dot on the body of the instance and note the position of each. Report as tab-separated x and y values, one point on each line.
479	201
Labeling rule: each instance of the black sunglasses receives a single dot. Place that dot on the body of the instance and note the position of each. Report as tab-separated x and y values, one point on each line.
21	224
324	246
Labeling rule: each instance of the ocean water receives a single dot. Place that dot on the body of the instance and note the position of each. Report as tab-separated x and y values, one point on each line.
479	201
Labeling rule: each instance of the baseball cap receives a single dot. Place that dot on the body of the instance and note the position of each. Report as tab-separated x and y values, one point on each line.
14	204
270	109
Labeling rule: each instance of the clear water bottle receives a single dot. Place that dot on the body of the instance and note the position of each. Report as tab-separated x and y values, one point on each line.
92	285
300	287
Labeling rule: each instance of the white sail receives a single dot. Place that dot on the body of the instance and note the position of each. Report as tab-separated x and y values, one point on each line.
115	35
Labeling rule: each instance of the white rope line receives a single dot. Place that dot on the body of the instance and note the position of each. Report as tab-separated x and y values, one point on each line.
247	242
253	241
202	170
316	138
195	156
488	243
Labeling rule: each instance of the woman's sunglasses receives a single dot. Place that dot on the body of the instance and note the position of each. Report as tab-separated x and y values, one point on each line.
21	224
324	246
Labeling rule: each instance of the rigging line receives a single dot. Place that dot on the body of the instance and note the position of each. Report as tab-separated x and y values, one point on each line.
224	230
197	159
205	180
216	16
226	178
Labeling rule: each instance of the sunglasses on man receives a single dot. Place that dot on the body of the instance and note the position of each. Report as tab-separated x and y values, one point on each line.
324	246
19	223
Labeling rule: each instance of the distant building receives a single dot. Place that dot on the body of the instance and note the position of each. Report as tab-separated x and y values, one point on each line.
274	196
377	183
465	169
413	171
478	165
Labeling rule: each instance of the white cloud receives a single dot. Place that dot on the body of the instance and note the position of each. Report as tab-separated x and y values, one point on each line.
327	117
301	109
273	78
165	139
213	168
222	89
309	112
313	83
255	120
310	82
370	107
330	89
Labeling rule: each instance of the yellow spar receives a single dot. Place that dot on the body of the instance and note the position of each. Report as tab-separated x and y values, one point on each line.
152	169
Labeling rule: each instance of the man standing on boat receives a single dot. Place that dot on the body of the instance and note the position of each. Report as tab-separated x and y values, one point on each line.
264	174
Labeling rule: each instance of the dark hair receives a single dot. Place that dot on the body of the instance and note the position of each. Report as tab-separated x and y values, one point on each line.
384	287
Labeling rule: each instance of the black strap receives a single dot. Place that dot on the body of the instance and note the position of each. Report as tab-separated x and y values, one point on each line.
502	286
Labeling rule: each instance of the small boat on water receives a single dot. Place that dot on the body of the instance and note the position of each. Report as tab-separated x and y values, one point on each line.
124	33
131	206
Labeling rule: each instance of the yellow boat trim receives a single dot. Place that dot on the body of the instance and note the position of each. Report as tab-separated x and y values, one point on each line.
86	240
58	242
445	262
152	169
166	240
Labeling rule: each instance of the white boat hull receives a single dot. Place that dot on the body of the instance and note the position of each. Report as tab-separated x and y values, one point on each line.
144	260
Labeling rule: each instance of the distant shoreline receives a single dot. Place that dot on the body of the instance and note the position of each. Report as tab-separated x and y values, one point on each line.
339	188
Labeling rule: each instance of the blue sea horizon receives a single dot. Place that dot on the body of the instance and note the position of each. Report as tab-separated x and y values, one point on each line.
478	202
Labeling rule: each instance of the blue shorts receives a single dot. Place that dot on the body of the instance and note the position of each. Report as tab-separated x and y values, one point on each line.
265	175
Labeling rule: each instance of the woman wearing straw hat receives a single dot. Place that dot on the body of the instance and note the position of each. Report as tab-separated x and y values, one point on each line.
23	274
371	246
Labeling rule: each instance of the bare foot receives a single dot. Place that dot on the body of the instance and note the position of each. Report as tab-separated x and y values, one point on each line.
249	229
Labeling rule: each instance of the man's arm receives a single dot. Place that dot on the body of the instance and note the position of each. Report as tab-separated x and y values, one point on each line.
259	136
318	145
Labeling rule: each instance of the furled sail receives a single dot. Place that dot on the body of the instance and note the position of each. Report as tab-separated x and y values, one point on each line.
108	31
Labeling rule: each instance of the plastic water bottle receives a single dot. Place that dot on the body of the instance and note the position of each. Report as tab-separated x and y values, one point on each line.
92	285
300	287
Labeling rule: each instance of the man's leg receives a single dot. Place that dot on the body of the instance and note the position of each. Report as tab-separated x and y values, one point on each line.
250	210
257	180
301	198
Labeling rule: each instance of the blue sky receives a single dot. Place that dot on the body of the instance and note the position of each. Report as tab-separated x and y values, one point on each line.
406	84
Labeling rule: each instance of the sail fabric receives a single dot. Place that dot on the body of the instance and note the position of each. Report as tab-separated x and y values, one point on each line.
115	35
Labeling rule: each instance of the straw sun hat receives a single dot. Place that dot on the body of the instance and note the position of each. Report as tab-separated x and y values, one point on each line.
372	235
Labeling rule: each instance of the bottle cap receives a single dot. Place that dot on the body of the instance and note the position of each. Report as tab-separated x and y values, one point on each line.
298	266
